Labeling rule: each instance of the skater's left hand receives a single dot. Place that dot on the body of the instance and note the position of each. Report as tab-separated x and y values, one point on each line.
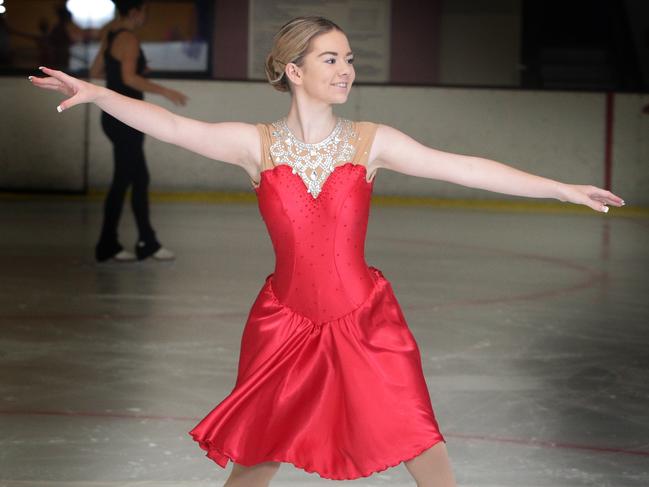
596	198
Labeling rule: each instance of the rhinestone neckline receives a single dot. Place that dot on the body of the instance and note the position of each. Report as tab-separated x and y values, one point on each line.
313	162
314	145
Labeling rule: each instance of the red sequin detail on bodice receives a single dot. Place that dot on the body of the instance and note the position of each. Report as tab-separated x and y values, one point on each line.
319	243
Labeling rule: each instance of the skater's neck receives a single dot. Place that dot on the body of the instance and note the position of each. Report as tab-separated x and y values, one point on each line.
310	120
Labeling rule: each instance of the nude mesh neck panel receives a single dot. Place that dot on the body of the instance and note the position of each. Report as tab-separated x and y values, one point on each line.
313	162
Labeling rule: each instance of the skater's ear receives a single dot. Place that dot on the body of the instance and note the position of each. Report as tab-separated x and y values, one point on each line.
294	73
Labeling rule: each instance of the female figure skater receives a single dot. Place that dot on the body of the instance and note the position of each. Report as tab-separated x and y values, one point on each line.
330	376
121	60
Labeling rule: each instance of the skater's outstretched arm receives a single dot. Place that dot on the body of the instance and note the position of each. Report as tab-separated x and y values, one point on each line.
232	142
392	149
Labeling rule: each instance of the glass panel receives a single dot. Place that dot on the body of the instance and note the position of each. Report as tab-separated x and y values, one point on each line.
45	32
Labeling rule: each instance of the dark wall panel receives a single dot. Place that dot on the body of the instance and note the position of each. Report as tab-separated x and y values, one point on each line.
414	41
230	47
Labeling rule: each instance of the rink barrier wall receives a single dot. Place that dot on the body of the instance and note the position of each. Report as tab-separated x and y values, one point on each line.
561	135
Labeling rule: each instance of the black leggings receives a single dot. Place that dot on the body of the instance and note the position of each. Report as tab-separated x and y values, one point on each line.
129	169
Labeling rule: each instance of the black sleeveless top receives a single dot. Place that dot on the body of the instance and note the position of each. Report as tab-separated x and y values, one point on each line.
114	70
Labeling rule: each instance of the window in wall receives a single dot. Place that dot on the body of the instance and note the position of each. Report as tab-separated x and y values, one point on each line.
67	34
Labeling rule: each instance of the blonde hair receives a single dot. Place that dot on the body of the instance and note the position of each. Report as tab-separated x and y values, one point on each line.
291	44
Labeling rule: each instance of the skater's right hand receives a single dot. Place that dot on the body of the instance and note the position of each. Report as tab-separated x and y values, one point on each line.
78	91
175	97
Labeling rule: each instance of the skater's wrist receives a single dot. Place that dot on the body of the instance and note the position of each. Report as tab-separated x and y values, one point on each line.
102	95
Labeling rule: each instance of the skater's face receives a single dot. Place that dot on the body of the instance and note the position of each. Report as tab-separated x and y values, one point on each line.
327	72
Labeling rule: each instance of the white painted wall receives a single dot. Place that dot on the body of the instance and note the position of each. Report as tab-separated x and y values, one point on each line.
631	149
38	147
554	134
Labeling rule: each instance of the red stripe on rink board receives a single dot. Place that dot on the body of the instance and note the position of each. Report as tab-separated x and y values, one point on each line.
608	140
494	439
591	277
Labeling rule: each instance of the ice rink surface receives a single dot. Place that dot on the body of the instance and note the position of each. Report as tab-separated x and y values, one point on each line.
533	329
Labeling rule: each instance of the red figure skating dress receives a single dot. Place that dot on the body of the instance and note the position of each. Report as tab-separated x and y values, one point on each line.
330	376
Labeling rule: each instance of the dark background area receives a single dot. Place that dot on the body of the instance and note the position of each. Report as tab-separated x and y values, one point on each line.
583	45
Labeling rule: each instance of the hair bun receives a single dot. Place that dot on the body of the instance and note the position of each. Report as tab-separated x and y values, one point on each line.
275	73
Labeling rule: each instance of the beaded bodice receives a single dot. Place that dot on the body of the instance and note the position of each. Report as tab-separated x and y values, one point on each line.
316	209
313	162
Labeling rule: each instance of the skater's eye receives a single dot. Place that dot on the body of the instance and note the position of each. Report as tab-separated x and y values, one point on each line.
333	60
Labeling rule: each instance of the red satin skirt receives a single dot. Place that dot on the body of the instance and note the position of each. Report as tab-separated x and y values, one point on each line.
344	399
